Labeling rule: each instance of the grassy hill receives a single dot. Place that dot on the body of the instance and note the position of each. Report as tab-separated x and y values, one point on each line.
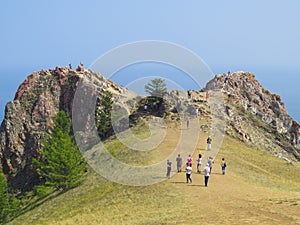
257	189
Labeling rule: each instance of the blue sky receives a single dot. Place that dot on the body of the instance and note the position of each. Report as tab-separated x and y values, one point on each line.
257	36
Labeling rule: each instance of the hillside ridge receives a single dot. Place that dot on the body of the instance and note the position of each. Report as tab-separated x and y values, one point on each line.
253	115
248	101
28	117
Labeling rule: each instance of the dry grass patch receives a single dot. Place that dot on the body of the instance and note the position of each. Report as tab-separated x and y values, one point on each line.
257	189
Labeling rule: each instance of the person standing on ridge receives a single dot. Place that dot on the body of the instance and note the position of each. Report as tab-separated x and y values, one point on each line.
226	77
189	93
179	163
206	174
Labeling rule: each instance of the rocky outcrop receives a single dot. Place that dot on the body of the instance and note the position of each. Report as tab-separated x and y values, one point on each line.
28	117
254	114
246	99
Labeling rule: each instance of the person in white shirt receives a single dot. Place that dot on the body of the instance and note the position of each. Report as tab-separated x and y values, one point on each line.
188	173
206	174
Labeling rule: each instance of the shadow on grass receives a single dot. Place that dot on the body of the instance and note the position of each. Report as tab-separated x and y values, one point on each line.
197	185
217	173
40	201
188	184
178	182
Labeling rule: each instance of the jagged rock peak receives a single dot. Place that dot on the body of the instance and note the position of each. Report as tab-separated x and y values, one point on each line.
28	117
242	89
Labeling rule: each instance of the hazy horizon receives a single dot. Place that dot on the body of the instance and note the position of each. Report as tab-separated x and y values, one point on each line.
9	89
261	37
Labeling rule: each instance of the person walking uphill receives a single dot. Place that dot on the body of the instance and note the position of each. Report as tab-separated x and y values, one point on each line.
199	164
190	160
169	167
207	95
210	163
223	165
206	174
208	141
187	123
188	173
179	163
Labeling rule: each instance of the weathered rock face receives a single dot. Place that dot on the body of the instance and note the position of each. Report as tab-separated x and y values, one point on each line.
253	113
245	93
28	117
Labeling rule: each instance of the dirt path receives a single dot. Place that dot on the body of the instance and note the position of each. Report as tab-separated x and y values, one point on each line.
228	199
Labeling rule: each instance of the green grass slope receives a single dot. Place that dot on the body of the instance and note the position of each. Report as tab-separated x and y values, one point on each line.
257	189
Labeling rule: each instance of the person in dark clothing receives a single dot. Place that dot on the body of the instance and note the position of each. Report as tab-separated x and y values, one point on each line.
223	165
169	167
208	141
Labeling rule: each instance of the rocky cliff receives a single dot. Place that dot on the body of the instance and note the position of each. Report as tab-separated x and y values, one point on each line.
253	115
29	115
256	115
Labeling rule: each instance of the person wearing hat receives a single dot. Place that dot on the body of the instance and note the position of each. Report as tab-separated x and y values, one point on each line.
206	174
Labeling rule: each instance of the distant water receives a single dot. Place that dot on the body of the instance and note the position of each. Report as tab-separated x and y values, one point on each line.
293	108
282	81
10	81
272	80
286	84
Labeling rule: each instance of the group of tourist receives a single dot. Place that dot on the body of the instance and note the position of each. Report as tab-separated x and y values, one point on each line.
207	170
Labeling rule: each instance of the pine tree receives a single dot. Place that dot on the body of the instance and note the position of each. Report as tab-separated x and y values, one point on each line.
156	87
62	165
9	205
103	114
